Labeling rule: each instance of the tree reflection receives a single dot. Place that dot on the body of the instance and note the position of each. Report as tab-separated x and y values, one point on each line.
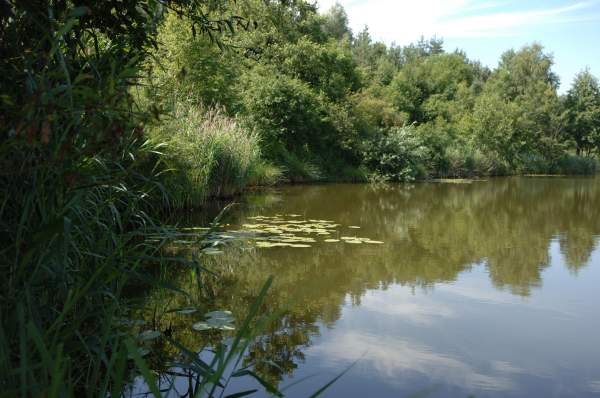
432	233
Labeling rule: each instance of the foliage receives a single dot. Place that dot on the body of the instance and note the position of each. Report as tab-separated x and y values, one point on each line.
84	84
189	67
525	80
294	121
327	68
80	193
321	97
206	154
398	156
335	24
583	113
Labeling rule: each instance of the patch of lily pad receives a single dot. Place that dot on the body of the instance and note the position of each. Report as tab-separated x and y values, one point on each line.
215	320
278	231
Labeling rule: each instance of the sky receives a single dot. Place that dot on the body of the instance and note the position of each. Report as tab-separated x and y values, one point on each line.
484	29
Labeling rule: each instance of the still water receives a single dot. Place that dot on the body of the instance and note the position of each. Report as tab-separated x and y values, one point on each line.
485	289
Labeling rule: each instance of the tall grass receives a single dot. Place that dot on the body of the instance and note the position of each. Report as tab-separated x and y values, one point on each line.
69	254
209	154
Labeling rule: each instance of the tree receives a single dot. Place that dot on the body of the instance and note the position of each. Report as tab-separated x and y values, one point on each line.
493	126
525	79
335	24
429	87
583	112
190	67
328	68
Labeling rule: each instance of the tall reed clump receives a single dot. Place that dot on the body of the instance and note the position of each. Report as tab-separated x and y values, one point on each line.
209	154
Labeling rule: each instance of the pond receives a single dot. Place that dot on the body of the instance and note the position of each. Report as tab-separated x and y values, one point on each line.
445	289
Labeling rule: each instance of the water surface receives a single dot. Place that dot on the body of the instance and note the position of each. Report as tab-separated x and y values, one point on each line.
489	288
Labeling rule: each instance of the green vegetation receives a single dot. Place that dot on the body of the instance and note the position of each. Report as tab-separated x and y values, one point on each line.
207	154
115	112
327	104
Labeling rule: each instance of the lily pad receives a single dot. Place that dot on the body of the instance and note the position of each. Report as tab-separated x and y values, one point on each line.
201	326
219	320
220	324
331	240
211	251
218	314
148	335
186	311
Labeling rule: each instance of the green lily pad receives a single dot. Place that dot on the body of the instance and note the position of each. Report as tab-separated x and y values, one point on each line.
201	326
186	311
211	251
148	335
220	324
218	314
219	320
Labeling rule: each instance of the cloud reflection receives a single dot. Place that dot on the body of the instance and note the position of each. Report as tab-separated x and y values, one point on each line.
397	359
399	302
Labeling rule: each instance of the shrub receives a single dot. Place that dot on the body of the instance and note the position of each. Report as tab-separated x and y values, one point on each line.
489	164
399	155
535	163
577	165
460	162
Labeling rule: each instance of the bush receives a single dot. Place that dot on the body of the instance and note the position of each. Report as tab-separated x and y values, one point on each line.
464	161
460	162
489	164
577	165
399	155
207	154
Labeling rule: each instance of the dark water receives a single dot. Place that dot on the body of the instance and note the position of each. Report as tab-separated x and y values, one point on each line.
490	289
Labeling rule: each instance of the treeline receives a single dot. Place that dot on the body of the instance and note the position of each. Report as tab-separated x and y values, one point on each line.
326	104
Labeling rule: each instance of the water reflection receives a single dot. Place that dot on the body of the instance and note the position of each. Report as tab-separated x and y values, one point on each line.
484	288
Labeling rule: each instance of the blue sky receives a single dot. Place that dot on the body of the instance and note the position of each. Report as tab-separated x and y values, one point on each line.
570	30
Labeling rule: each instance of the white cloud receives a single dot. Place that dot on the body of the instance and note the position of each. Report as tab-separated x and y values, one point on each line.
405	21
